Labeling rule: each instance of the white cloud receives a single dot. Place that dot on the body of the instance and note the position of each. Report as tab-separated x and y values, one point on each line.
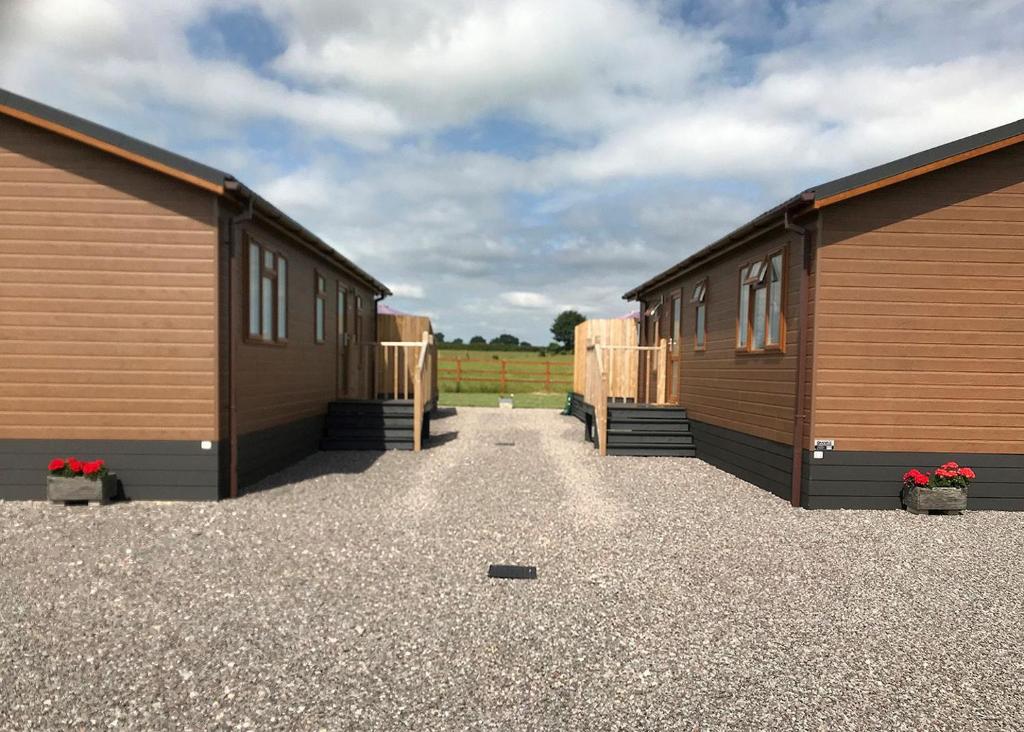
528	300
405	289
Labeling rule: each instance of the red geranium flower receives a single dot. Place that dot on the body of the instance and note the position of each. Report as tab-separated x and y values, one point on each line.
967	473
56	464
75	464
920	479
92	468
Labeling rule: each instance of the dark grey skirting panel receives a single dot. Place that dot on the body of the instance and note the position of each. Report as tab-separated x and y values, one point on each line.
267	451
147	469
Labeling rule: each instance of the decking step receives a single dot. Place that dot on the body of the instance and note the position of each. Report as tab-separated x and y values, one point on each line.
366	443
370	408
653	451
621	439
367	434
369	422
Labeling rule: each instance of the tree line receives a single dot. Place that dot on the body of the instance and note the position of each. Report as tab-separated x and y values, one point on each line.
562	330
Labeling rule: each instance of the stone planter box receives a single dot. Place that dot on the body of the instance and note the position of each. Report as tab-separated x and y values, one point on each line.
923	500
102	490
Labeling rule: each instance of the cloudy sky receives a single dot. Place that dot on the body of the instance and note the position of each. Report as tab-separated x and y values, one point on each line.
496	161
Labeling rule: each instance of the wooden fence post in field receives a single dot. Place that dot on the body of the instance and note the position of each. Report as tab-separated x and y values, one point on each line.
458	373
547	376
504	380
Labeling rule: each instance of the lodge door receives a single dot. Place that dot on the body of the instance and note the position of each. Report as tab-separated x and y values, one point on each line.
675	348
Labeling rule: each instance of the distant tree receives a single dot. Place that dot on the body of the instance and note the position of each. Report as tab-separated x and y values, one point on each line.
525	344
564	327
477	339
456	341
505	339
554	347
439	337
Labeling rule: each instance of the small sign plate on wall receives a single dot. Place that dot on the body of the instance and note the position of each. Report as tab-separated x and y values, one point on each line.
206	445
823	446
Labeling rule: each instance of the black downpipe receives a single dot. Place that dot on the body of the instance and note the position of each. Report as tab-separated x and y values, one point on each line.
234	246
799	415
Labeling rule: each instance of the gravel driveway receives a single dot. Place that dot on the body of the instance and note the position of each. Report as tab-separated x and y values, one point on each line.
354	596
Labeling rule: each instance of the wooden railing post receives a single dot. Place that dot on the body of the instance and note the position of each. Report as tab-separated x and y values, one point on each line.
417	411
601	408
504	380
458	373
547	376
663	371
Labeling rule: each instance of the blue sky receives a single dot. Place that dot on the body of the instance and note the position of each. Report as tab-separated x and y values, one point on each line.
495	161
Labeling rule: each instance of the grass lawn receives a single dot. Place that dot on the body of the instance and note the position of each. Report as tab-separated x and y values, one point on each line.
524	372
522	401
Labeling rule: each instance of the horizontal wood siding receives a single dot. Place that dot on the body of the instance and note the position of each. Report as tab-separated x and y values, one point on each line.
921	314
283	384
107	296
752	393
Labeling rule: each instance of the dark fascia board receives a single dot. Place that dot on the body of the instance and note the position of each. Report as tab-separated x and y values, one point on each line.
185	165
838	187
112	137
771	217
270	211
917	160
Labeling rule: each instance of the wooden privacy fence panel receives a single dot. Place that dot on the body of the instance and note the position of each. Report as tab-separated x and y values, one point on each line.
552	376
608	332
637	374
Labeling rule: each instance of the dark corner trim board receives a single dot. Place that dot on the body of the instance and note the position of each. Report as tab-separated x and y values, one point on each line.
147	469
267	451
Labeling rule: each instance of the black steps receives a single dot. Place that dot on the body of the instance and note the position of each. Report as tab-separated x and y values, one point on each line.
367	424
646	430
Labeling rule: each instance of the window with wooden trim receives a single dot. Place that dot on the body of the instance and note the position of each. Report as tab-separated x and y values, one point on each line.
320	298
698	298
268	295
761	323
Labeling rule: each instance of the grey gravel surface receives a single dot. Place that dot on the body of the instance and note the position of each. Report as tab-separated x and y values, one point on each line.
351	593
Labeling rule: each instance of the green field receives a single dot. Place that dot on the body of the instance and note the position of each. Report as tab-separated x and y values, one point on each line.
479	372
522	401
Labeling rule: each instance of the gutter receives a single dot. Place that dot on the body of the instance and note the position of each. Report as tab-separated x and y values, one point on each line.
267	209
799	415
716	248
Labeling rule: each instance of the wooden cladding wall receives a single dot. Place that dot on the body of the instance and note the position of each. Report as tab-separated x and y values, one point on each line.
280	383
753	393
107	298
921	313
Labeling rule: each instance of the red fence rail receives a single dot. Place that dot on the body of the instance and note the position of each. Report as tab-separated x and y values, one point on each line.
551	375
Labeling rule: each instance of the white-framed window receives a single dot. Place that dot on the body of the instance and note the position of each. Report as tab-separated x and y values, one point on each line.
761	323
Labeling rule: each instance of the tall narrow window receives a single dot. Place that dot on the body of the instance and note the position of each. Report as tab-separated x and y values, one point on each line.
775	300
268	294
677	320
254	289
743	321
700	292
321	307
761	323
282	298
